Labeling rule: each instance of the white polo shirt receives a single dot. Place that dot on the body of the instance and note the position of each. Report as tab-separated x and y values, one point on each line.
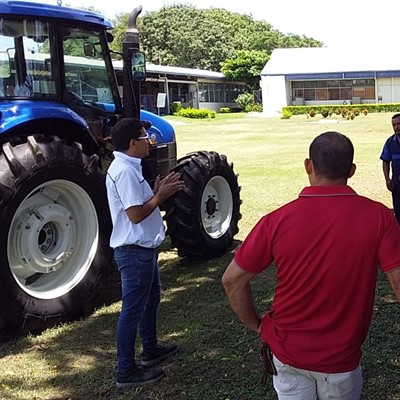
126	187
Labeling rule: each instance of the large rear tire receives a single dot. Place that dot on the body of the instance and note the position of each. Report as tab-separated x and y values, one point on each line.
54	234
203	218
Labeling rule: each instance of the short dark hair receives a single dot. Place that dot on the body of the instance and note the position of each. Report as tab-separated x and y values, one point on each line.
332	155
396	116
124	131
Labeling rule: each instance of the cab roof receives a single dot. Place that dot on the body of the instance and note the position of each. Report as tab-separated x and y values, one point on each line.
32	9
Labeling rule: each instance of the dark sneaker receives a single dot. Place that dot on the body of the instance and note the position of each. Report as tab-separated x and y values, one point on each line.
158	354
139	377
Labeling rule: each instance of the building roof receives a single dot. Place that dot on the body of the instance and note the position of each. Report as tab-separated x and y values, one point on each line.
199	73
329	63
34	9
179	71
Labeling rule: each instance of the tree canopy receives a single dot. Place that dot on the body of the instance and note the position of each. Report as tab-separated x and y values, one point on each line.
245	66
214	39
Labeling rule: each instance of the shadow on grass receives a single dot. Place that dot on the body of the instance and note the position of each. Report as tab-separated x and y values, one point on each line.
77	360
218	357
381	356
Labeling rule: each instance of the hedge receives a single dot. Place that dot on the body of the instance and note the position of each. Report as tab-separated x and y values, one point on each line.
334	108
196	113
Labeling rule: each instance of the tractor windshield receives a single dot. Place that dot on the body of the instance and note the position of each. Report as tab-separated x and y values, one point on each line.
26	69
33	65
85	65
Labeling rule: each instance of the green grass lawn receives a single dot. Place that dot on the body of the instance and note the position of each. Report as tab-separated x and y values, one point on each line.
218	358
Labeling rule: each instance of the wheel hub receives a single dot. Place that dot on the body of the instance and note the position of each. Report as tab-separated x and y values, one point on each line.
53	238
216	207
37	245
47	237
211	205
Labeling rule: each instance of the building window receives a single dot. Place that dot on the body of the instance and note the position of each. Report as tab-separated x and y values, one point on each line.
220	93
370	92
364	88
322	94
345	93
333	94
179	92
330	90
334	90
298	94
232	91
309	94
310	84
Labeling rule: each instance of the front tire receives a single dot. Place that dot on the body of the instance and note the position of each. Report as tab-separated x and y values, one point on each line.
203	218
54	239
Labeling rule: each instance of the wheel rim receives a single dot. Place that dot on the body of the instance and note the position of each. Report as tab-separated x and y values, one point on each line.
53	239
216	207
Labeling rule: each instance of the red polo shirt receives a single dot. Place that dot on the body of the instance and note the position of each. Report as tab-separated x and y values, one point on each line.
326	245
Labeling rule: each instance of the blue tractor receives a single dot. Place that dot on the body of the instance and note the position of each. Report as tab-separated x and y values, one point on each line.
59	98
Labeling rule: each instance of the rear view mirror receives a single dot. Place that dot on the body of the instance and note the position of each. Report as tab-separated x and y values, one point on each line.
110	37
138	66
89	50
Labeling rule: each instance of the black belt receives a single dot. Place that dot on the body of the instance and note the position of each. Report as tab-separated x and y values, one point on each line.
135	246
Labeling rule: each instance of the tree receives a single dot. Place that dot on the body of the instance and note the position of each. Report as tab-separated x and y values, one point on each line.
185	36
246	66
71	47
120	24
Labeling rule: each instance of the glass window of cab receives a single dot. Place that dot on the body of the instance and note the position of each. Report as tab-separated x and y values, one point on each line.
26	69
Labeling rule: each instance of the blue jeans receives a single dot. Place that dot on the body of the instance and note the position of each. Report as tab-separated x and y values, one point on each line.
396	202
141	293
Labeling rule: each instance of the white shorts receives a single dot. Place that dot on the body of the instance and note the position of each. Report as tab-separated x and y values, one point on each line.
300	384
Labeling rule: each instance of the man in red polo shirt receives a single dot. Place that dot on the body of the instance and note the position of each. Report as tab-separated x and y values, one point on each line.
326	246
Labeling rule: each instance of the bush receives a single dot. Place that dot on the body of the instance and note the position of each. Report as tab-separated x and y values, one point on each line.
325	112
245	100
257	107
286	114
224	110
175	107
196	113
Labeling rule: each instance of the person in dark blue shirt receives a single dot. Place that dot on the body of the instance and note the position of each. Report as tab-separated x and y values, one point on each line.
391	162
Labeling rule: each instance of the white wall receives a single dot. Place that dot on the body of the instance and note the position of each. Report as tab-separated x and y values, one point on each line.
274	95
388	89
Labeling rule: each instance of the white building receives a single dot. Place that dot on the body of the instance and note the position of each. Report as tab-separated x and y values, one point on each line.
191	87
320	75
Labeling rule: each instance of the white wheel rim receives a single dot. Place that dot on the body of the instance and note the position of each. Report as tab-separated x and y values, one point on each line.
216	207
53	239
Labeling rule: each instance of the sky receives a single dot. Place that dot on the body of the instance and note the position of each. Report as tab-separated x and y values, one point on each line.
345	24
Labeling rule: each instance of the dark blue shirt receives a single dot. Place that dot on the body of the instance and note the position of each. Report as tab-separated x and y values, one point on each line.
391	152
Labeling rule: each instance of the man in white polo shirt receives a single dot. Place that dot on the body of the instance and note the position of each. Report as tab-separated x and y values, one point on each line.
138	230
